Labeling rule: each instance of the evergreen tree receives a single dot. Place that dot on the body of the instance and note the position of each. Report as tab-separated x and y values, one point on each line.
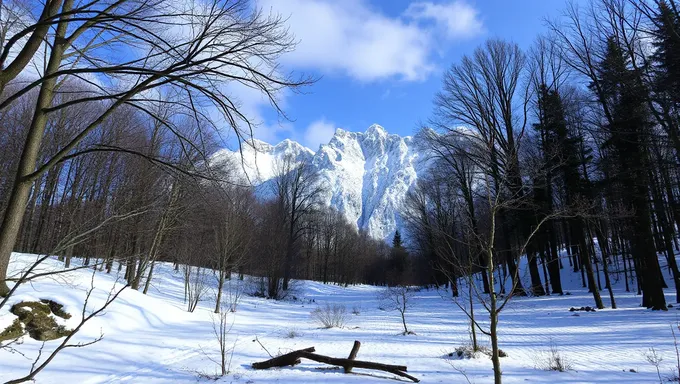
396	240
666	55
666	70
399	262
561	157
626	140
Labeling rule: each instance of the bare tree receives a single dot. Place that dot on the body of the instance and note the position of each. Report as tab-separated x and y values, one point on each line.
398	298
223	322
298	190
33	271
492	303
484	101
232	224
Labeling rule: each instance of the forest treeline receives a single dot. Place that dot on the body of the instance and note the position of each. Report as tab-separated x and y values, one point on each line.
570	150
565	153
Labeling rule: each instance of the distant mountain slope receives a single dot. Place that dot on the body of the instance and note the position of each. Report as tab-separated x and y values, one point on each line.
366	174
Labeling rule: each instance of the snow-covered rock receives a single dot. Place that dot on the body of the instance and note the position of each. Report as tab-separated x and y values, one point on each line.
366	174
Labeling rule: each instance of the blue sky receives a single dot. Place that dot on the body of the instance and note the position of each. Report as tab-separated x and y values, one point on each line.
381	61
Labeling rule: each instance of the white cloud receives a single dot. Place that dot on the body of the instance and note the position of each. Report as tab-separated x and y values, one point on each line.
318	132
458	19
355	39
352	38
271	133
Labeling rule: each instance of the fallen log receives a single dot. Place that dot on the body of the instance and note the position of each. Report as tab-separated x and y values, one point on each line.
291	359
348	364
395	369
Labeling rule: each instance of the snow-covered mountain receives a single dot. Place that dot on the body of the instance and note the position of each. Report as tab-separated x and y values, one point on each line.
366	174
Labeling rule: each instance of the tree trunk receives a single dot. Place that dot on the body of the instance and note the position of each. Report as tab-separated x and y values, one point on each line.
148	279
473	331
14	213
493	317
536	285
667	235
220	285
554	262
586	261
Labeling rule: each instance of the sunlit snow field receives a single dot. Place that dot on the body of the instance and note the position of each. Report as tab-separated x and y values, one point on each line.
153	339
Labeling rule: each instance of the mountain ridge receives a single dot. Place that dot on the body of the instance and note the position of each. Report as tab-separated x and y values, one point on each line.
367	174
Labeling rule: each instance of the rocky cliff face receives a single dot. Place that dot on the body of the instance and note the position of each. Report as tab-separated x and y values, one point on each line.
366	174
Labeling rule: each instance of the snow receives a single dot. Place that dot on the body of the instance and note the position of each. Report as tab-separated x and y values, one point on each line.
367	174
153	339
256	161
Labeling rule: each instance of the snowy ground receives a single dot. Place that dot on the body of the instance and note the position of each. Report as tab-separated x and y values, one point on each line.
153	339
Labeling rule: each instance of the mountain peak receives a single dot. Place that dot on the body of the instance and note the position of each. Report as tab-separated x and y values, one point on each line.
288	144
366	175
258	145
376	129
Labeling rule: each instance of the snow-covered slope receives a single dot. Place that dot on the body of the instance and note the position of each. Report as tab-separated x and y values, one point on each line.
152	339
366	174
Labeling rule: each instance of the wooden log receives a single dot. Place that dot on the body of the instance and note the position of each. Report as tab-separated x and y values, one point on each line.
348	364
398	370
292	358
352	355
355	363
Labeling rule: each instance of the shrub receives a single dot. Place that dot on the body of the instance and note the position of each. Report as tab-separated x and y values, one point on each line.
554	361
330	316
13	331
291	334
27	309
56	308
356	310
653	358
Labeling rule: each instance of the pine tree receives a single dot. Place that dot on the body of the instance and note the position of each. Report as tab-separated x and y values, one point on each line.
561	152
543	194
396	240
626	133
399	261
666	69
666	55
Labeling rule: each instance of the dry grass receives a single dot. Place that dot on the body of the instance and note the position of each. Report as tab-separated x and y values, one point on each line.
330	316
